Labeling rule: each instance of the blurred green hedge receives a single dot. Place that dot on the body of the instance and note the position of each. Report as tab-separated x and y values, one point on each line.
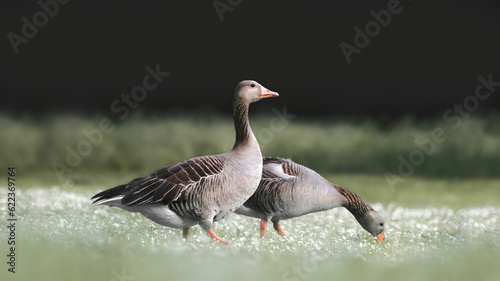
143	142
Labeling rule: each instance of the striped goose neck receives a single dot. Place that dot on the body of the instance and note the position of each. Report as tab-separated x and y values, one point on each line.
241	123
353	202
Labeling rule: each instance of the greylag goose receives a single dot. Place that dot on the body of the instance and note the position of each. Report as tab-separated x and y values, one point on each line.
204	189
288	190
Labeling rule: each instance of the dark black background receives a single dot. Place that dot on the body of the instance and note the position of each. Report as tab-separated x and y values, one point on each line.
424	61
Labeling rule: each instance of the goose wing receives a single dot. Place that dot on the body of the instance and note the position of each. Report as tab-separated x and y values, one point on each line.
167	184
275	167
278	176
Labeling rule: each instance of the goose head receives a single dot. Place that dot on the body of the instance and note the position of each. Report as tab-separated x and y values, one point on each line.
249	91
373	223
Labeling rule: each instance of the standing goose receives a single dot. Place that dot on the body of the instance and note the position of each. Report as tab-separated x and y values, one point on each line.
288	190
204	189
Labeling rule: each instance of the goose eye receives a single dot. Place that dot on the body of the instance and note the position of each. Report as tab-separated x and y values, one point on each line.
382	224
253	85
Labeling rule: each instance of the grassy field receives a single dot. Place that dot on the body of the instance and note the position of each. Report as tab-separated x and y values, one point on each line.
442	221
60	236
143	143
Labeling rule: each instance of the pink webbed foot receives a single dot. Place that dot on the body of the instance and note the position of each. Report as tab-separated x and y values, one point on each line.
263	227
211	233
277	227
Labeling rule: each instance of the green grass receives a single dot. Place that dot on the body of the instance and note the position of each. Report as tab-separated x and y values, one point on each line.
442	222
60	236
144	143
423	192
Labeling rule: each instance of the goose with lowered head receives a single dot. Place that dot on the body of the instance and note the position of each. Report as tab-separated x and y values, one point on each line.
288	190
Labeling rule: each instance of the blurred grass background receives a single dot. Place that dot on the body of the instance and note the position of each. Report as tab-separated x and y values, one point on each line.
145	142
442	221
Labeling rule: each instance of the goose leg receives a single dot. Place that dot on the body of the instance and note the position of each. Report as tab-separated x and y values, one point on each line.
277	227
185	232
207	224
263	227
212	234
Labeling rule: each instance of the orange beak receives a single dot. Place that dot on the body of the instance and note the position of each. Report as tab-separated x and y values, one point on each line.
381	237
267	93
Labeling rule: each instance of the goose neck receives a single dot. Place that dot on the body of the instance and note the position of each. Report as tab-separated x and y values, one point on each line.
353	202
244	134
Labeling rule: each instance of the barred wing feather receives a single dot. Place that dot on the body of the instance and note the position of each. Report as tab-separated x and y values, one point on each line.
167	184
278	177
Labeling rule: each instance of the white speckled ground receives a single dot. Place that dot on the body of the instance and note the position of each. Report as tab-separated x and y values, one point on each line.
60	236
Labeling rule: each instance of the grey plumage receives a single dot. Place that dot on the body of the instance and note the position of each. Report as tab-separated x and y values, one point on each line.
204	189
289	190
